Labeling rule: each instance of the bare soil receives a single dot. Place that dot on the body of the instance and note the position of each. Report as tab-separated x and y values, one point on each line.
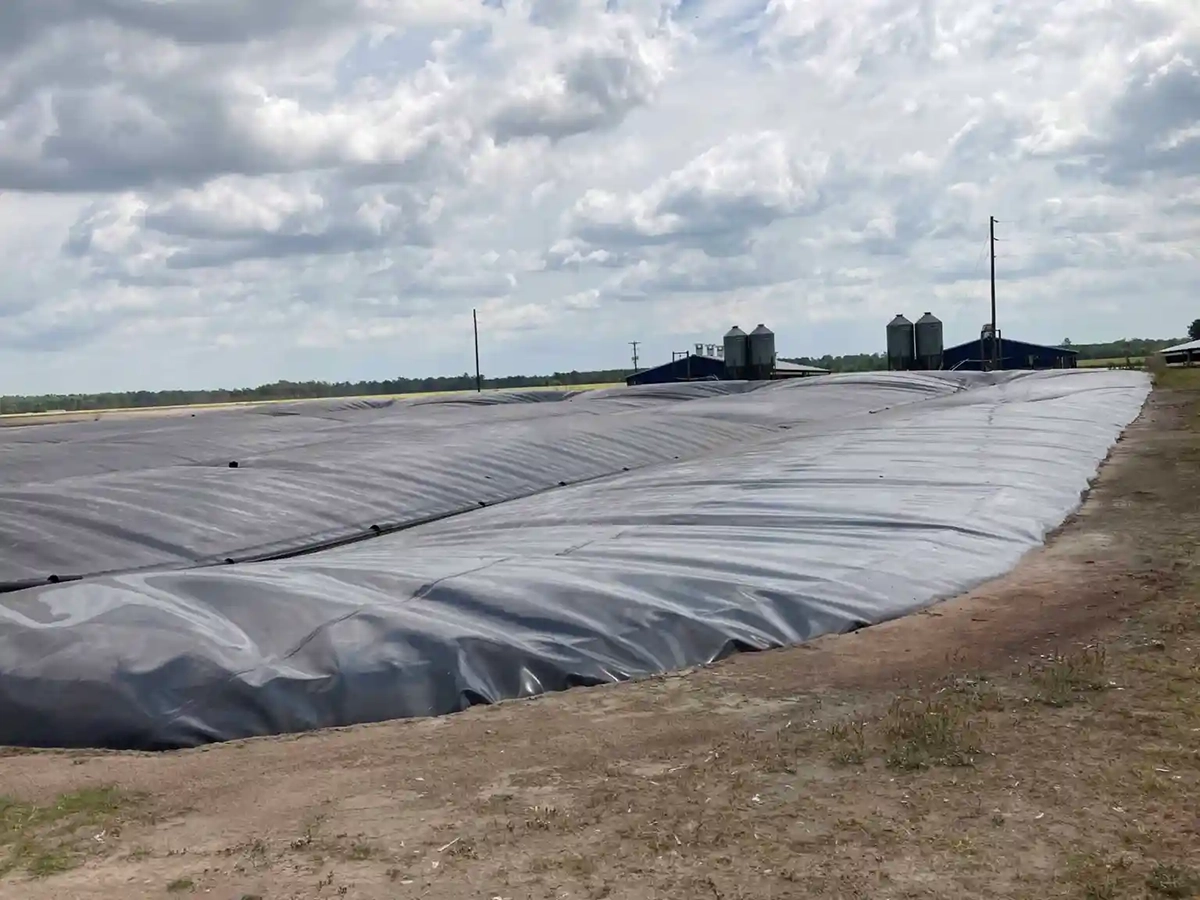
1037	738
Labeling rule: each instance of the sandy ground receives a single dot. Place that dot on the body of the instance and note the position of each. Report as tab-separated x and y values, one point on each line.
1038	738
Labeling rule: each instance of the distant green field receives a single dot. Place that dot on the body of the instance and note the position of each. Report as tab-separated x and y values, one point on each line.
1180	380
1115	361
60	415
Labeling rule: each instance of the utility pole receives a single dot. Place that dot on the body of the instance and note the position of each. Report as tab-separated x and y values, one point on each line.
478	377
634	345
995	330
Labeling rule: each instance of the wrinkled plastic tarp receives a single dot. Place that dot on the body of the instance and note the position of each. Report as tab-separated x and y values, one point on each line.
149	491
794	509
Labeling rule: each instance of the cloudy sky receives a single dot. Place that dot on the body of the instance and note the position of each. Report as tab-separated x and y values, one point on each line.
225	192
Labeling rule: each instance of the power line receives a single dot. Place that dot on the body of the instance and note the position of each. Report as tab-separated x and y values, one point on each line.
979	259
634	345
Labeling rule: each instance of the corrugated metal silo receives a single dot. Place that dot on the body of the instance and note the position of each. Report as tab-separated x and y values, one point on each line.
901	344
736	354
928	337
761	350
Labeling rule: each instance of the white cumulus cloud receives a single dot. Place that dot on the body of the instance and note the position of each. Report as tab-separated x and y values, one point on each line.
226	192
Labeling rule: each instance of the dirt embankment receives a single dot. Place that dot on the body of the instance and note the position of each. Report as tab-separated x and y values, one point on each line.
1038	738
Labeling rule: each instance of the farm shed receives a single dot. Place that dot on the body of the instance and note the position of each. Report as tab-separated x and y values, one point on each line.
1013	355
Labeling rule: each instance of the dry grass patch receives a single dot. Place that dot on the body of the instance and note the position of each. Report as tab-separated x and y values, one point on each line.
1172	880
1178	379
1064	678
849	741
924	733
46	839
916	732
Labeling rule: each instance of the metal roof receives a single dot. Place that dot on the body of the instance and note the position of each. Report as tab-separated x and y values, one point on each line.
785	366
682	368
1016	343
1181	348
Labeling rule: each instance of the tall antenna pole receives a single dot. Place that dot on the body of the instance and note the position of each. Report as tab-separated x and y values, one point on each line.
478	377
634	345
995	330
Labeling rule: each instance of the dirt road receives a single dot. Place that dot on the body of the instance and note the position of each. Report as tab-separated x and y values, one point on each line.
1038	738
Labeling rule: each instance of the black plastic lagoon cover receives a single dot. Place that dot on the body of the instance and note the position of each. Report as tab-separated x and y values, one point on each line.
369	560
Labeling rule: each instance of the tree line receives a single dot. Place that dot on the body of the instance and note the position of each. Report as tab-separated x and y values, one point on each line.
1135	348
296	390
300	390
1131	347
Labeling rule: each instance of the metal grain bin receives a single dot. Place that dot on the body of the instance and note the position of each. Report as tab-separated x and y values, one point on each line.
761	348
929	346
901	344
736	354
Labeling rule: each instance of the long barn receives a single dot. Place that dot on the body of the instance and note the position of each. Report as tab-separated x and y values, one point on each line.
707	368
1182	354
1013	355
